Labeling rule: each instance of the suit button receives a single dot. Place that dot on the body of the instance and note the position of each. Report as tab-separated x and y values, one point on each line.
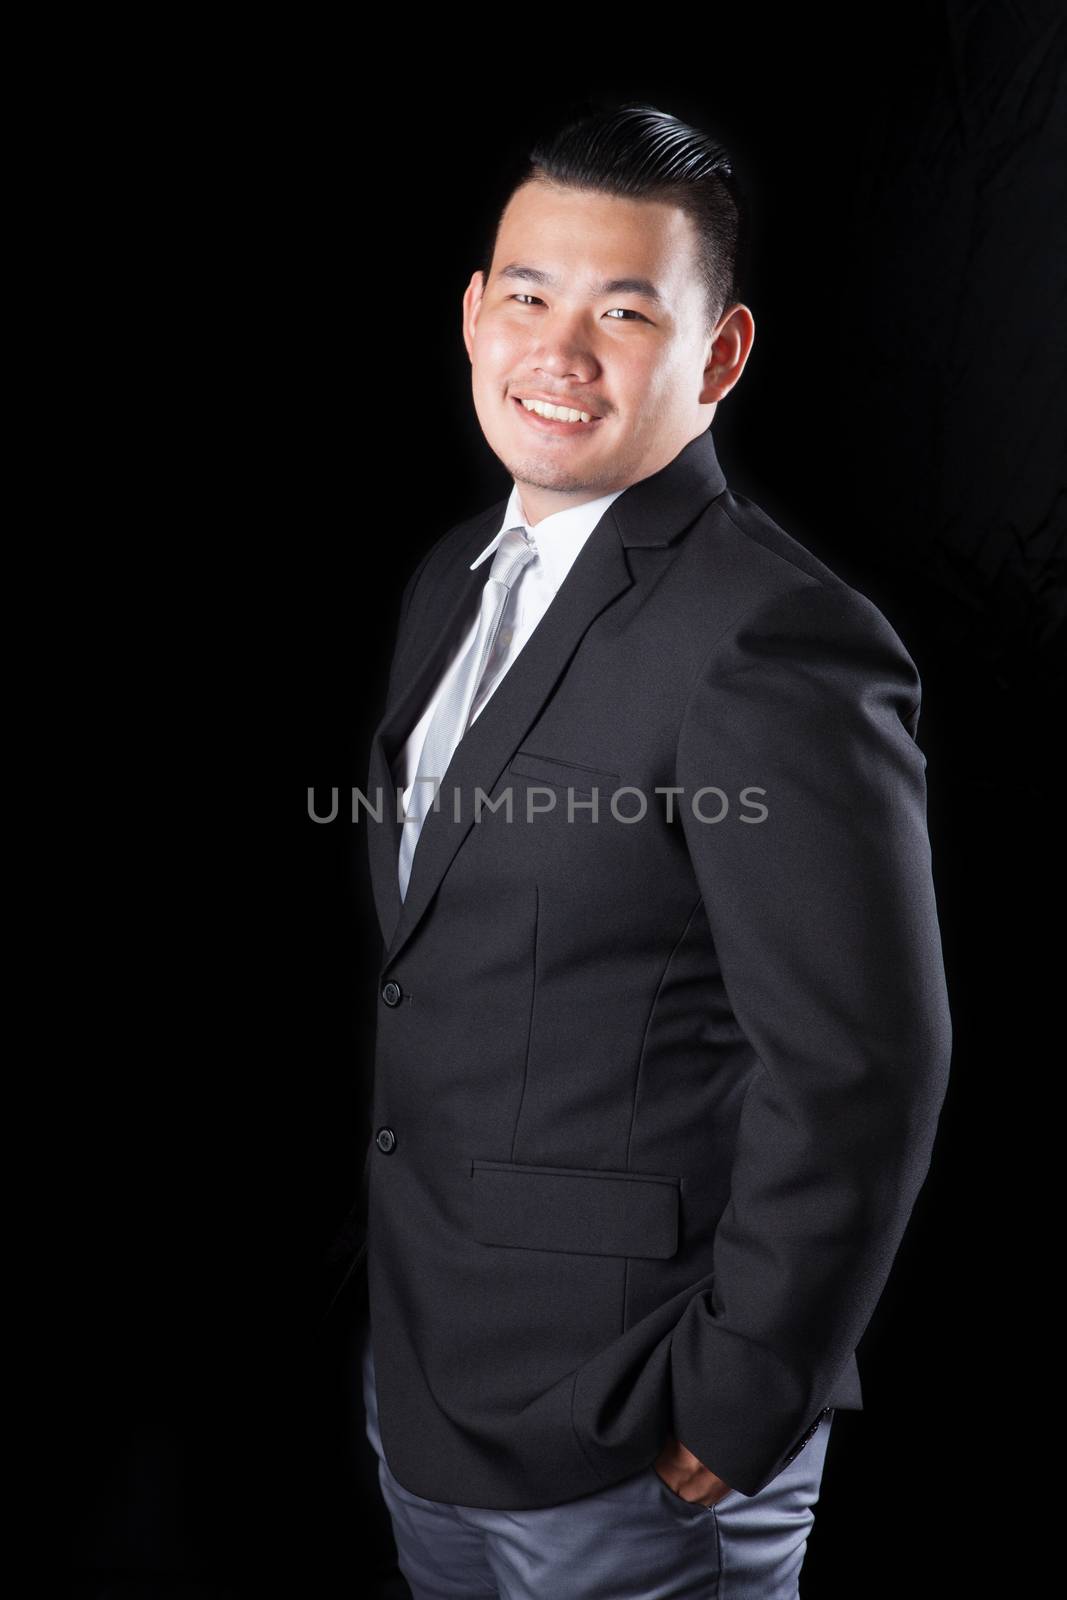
385	1140
391	993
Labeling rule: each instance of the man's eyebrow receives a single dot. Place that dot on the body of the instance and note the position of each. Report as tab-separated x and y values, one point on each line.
641	286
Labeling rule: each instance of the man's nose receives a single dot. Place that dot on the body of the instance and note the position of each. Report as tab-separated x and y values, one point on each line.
565	358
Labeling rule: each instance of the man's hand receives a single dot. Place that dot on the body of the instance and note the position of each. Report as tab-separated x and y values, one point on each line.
687	1476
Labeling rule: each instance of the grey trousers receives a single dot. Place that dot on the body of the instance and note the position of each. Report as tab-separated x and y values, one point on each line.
637	1540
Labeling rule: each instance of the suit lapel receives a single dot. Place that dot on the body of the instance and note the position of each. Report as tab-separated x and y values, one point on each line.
417	673
652	512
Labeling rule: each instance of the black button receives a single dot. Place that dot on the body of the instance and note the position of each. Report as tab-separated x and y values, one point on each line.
386	1140
391	993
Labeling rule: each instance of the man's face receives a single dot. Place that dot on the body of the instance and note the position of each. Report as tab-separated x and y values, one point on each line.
594	303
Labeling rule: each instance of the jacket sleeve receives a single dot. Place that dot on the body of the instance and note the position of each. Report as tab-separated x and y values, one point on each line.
824	921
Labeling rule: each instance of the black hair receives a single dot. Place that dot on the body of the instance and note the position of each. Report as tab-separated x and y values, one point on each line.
639	152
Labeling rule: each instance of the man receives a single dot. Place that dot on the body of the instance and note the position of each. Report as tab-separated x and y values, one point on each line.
661	1054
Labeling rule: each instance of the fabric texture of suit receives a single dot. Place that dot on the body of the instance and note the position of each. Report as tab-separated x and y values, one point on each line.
653	1099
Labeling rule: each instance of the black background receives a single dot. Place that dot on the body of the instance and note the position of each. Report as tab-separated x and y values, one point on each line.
273	421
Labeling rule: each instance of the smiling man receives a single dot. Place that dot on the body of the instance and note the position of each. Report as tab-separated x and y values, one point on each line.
615	333
663	1033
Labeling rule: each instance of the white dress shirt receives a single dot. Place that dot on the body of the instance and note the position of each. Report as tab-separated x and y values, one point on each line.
557	540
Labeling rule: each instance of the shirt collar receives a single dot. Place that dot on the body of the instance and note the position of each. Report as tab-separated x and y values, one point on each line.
558	538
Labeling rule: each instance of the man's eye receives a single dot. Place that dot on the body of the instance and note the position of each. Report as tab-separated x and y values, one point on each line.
626	310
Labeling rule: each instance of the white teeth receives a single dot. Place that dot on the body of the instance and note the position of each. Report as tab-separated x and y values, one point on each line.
558	413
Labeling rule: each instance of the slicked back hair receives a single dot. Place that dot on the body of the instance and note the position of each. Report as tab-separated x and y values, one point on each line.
638	152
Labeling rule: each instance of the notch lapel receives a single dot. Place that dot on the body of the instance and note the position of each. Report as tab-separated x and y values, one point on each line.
417	672
652	512
600	572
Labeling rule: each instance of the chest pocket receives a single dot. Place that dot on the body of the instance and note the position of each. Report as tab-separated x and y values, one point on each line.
564	774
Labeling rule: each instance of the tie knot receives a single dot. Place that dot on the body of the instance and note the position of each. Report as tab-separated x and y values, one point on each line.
512	554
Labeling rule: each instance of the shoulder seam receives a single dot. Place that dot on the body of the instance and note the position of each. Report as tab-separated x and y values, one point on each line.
785	560
838	586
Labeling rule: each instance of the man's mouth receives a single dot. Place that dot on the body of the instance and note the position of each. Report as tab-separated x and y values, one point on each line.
548	418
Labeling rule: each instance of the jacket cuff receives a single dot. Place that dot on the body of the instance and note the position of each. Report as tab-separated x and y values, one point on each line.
742	1411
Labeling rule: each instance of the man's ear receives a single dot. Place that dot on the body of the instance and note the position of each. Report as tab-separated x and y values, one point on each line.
728	352
472	302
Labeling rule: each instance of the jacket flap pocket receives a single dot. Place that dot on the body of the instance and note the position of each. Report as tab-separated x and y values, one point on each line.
565	774
568	1208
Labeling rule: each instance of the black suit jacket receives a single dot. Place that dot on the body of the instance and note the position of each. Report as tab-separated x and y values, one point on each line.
653	1098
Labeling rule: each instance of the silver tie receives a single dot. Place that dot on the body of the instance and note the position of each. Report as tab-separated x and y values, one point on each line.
451	718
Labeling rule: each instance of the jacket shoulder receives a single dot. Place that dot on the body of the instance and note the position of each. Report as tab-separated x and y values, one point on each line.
769	573
447	550
449	545
770	547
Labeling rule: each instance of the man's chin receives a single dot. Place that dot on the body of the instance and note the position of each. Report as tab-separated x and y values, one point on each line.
549	475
